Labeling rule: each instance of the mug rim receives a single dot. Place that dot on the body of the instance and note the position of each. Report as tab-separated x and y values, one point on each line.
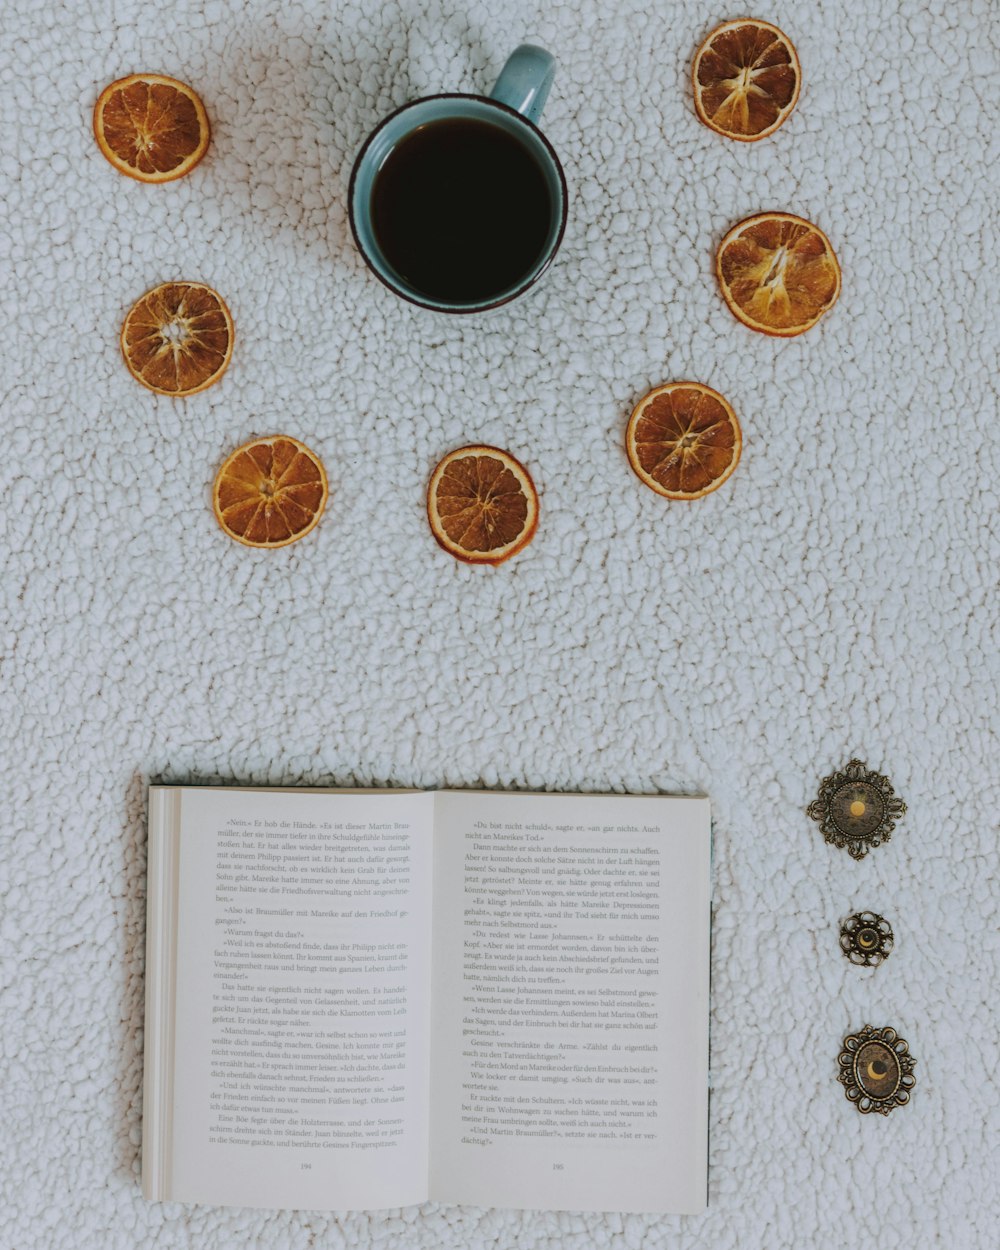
563	217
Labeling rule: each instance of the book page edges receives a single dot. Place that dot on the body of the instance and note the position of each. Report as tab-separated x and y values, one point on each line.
162	859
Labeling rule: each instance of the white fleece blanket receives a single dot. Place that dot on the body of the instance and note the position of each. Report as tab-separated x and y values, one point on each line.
837	597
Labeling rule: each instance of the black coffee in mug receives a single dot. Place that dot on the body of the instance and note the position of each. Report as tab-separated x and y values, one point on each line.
461	210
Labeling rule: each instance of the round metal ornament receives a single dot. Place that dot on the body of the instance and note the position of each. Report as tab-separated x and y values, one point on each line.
856	808
876	1070
866	939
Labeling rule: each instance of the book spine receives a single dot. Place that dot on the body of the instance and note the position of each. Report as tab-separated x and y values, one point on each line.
162	863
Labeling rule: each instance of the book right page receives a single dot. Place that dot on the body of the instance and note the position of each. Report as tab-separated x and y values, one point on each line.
570	969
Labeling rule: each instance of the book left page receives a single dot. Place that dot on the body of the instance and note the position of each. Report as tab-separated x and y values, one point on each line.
298	1053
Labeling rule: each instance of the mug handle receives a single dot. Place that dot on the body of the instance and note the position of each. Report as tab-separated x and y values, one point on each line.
525	80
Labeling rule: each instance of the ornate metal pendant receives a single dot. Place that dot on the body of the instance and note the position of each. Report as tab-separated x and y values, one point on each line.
876	1070
866	938
856	808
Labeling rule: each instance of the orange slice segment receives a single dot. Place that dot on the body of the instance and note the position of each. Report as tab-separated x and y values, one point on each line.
778	273
683	440
746	79
482	505
270	492
151	127
178	338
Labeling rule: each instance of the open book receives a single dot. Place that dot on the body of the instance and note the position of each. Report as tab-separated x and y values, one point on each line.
363	999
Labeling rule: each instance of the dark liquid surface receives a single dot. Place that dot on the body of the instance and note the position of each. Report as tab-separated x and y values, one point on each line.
461	210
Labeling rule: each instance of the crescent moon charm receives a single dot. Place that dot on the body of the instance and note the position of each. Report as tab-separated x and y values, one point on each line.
876	1070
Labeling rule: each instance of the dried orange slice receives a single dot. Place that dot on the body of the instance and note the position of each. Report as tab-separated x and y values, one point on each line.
482	505
178	338
270	492
778	273
683	440
746	79
151	127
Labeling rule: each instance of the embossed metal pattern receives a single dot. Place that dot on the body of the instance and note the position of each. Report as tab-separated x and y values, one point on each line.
866	938
876	1070
856	808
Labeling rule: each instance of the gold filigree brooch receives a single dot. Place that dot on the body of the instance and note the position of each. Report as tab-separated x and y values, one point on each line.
876	1070
856	809
866	939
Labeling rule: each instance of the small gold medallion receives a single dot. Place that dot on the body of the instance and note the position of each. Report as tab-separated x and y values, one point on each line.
876	1070
857	809
866	939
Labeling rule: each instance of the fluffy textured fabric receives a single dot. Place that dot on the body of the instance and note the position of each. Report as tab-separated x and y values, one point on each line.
835	598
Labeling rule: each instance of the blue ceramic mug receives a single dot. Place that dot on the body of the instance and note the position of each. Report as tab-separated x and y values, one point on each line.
514	106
